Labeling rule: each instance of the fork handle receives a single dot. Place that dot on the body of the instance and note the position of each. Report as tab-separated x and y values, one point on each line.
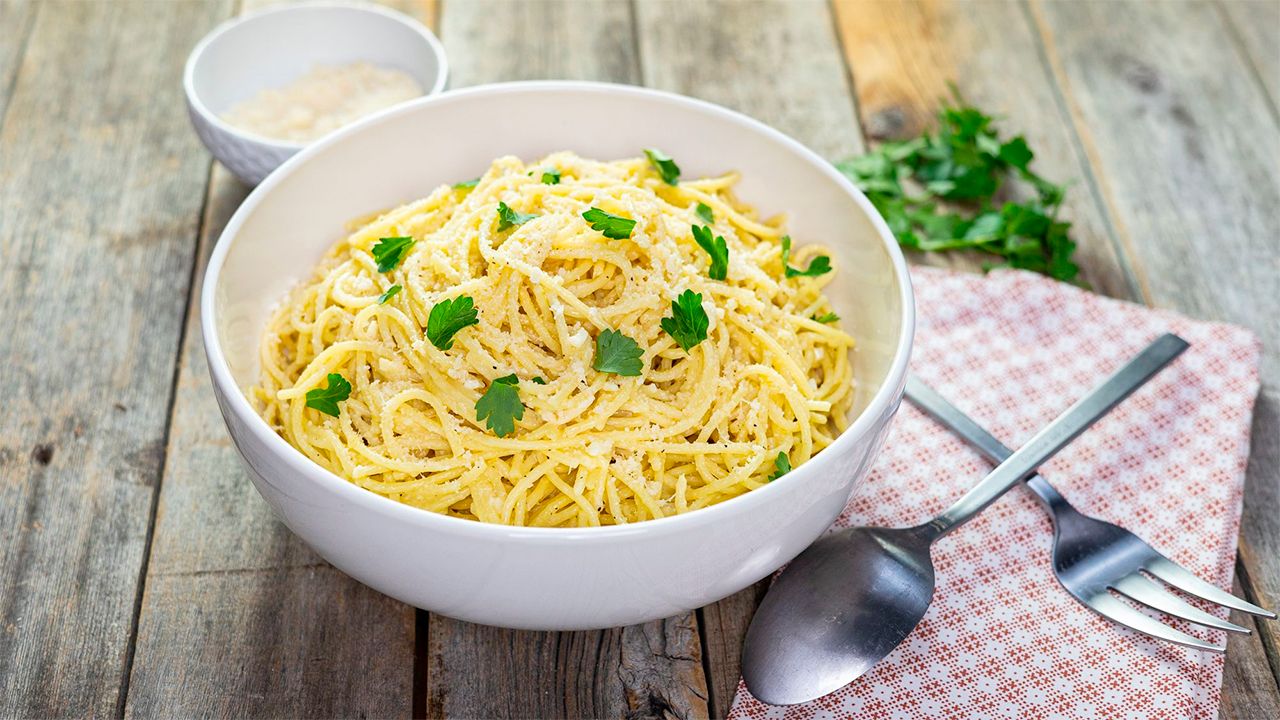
1046	443
951	417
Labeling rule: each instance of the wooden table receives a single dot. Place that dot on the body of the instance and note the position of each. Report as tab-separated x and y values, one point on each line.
141	575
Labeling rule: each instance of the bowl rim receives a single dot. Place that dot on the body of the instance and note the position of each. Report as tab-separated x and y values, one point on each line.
197	102
235	401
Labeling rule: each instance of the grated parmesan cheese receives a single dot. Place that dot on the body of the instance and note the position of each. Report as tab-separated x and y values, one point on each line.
322	101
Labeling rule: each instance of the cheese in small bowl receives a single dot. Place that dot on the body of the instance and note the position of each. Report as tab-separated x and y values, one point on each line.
323	100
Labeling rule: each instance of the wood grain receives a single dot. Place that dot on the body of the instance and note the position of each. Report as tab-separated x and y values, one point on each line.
1188	149
1248	682
1186	144
499	40
906	57
642	671
724	626
102	182
239	617
775	60
16	17
780	62
1257	24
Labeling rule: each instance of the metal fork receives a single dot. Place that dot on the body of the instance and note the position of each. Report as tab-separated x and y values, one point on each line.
1092	557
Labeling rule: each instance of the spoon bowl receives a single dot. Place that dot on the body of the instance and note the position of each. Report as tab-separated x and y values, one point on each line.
855	623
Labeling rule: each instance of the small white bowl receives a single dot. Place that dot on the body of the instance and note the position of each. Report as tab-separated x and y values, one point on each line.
550	578
272	47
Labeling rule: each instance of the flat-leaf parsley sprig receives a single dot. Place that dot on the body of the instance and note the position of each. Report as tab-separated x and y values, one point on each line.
448	317
716	248
614	227
688	321
781	466
510	218
500	407
326	399
704	212
616	353
666	167
389	251
945	190
389	293
820	265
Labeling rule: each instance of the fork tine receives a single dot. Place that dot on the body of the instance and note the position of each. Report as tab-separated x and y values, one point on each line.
1108	607
1152	595
1177	576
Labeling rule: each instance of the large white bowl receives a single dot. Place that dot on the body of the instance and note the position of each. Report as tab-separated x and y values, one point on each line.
545	578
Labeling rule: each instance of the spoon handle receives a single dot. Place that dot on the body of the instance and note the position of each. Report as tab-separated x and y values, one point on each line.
1046	443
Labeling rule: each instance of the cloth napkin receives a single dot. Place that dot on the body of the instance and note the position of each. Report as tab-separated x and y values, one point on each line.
1002	638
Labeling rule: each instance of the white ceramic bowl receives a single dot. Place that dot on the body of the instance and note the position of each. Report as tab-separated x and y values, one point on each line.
546	578
272	47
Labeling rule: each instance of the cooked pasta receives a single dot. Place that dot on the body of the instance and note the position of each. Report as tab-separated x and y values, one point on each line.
555	297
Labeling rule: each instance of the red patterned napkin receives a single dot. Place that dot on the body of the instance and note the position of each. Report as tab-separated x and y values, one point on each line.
1002	639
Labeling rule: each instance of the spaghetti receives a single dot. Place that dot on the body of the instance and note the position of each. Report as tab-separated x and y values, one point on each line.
770	386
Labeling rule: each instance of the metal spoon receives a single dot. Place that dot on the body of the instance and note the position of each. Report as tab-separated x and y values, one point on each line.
854	595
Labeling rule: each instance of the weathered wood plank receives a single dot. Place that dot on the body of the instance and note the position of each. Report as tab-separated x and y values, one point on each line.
724	625
775	60
780	62
239	617
1257	24
16	18
643	671
498	40
905	58
1248	682
1186	144
102	183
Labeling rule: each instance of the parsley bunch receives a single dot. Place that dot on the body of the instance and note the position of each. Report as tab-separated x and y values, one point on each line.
947	190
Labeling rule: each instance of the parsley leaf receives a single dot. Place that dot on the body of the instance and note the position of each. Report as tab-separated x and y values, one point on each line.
537	380
716	248
825	318
466	184
389	251
390	293
326	399
448	317
781	465
688	322
665	166
617	353
613	227
500	406
510	218
704	211
946	190
551	176
820	265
